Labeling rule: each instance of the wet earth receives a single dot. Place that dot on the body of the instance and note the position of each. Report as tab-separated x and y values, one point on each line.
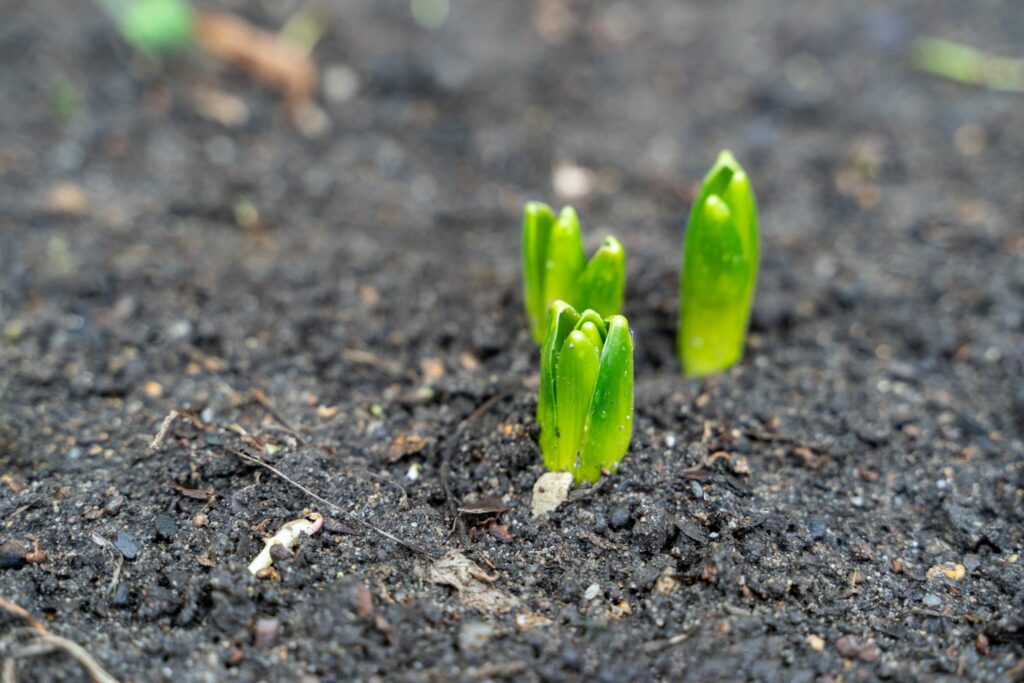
214	324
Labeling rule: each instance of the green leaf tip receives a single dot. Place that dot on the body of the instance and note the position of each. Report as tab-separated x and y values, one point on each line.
555	266
153	26
719	273
585	404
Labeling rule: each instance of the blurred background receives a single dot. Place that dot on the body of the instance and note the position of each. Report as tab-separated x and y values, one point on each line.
311	211
228	152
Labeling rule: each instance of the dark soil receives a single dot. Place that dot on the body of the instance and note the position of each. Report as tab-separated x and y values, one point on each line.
798	518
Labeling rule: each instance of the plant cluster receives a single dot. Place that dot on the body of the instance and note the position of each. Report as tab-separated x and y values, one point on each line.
585	402
555	267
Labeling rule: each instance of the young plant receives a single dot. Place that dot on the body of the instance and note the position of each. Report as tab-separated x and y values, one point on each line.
153	26
720	260
585	407
555	267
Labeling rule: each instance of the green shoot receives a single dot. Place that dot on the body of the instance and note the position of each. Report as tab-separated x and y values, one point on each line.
555	267
585	405
720	260
965	64
153	26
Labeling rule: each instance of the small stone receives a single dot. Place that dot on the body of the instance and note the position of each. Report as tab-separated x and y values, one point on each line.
122	596
166	527
113	505
474	635
127	544
279	552
869	653
816	643
817	527
12	555
266	632
950	570
619	517
931	600
593	592
550	491
848	646
200	520
153	389
341	83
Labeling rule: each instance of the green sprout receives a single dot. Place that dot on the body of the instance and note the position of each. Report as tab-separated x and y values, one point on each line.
585	407
965	64
555	267
153	26
720	260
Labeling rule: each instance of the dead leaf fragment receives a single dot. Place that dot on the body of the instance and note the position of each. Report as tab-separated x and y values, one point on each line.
472	583
487	505
219	106
530	620
951	570
500	532
667	581
67	198
405	444
550	491
269	57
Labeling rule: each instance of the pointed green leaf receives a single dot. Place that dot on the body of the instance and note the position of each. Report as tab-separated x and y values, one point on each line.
714	294
603	282
609	424
565	259
591	316
592	333
577	372
561	320
538	219
719	274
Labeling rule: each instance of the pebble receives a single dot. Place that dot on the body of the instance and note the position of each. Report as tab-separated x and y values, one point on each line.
166	527
931	600
12	555
113	505
266	632
619	517
200	520
593	592
341	83
848	646
816	643
817	527
127	544
122	596
474	635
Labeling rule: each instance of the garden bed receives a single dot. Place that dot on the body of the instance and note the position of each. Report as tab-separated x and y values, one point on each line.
845	504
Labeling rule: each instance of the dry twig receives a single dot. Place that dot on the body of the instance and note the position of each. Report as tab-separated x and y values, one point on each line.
45	642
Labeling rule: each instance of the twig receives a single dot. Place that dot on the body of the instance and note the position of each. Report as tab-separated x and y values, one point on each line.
23	614
165	427
46	642
118	561
497	670
358	520
659	645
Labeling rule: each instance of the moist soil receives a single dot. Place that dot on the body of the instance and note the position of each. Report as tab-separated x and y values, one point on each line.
343	305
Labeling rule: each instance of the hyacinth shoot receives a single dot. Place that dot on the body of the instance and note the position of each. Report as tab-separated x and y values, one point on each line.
720	260
585	407
555	267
